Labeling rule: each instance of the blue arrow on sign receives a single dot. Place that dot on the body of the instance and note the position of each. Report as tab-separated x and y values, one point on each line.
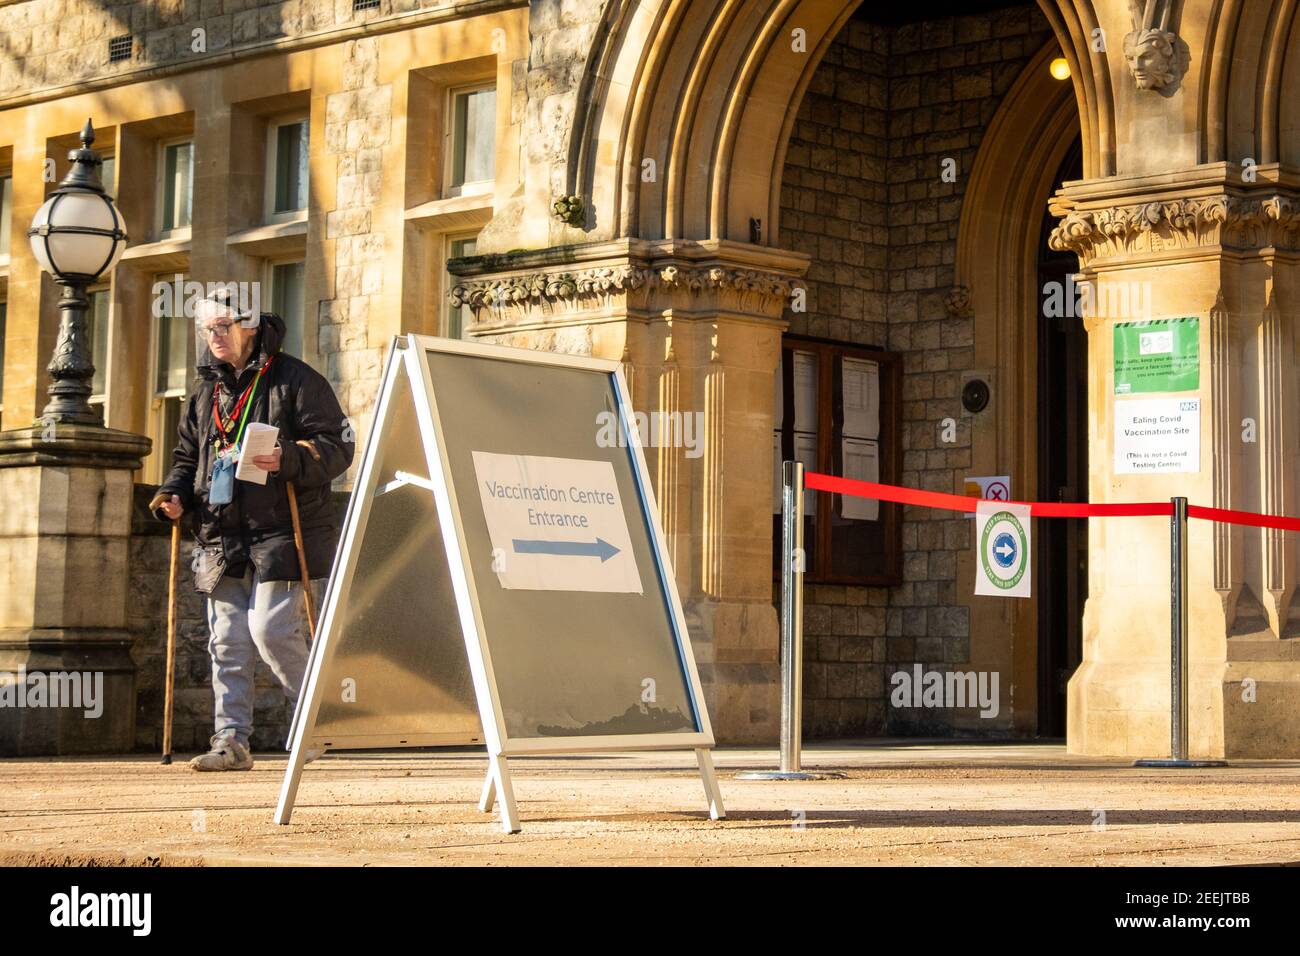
1004	550
600	548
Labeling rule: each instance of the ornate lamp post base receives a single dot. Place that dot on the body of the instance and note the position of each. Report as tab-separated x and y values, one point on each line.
71	368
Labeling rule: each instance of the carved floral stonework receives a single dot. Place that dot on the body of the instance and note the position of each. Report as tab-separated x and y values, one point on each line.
573	291
751	282
502	291
1156	227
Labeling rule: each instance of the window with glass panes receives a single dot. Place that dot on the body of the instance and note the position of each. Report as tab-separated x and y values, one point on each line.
288	167
838	409
172	334
473	137
458	317
287	302
97	335
6	213
177	186
4	314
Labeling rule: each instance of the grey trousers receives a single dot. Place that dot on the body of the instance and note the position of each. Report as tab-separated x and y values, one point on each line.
248	618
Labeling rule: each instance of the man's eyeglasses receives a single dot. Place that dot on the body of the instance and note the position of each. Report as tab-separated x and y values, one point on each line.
219	331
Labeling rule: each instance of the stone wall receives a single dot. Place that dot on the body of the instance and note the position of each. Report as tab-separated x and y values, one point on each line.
46	44
358	125
546	89
147	622
863	194
835	196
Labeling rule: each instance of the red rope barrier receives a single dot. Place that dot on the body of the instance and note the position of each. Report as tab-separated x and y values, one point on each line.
1243	517
816	481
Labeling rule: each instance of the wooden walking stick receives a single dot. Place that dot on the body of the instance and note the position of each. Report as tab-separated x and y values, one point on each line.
302	561
171	639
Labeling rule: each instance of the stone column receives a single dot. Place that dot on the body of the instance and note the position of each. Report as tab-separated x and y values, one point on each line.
698	328
1183	245
65	525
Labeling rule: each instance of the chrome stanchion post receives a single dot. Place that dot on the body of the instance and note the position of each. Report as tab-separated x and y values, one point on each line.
792	569
793	565
1178	630
1178	654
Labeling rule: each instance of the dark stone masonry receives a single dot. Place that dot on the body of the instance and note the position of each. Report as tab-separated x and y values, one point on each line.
864	195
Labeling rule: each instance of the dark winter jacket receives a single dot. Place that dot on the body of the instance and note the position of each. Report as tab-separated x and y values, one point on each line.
316	445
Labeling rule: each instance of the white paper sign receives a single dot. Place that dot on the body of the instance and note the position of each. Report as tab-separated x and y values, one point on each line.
776	473
1002	549
861	463
805	450
1157	435
778	400
805	391
556	524
861	398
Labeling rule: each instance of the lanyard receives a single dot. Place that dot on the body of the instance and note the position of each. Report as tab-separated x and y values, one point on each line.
245	402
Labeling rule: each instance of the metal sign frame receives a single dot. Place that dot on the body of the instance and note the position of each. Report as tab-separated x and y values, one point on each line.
406	358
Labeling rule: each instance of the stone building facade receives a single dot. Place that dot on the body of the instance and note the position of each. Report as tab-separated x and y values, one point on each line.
694	189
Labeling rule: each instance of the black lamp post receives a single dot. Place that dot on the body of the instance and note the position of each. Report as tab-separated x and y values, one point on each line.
76	236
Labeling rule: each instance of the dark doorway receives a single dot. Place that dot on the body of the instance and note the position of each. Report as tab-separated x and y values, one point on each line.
1061	565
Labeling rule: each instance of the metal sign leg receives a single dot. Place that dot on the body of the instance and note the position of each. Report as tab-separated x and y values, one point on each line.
489	798
506	791
289	786
711	792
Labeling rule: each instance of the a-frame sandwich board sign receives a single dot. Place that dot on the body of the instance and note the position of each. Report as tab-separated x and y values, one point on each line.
502	576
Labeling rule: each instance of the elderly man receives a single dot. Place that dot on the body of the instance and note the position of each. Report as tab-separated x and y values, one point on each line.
246	561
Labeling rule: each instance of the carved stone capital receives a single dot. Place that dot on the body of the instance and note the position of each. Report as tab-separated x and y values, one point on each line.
1156	229
548	288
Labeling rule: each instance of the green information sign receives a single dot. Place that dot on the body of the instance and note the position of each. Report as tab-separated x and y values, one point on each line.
1160	355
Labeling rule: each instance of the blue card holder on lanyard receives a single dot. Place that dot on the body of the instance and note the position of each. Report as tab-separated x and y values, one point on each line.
222	489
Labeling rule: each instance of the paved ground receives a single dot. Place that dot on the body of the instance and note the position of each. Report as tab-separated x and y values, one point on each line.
900	803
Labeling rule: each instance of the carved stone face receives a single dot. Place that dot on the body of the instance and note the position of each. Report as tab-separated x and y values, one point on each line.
1151	57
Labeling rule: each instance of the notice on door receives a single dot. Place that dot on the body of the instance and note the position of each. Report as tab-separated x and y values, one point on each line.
556	524
1158	436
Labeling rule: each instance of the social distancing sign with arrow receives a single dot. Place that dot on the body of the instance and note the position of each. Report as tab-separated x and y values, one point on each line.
556	524
1002	549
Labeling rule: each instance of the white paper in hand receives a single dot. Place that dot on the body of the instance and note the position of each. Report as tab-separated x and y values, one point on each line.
259	440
